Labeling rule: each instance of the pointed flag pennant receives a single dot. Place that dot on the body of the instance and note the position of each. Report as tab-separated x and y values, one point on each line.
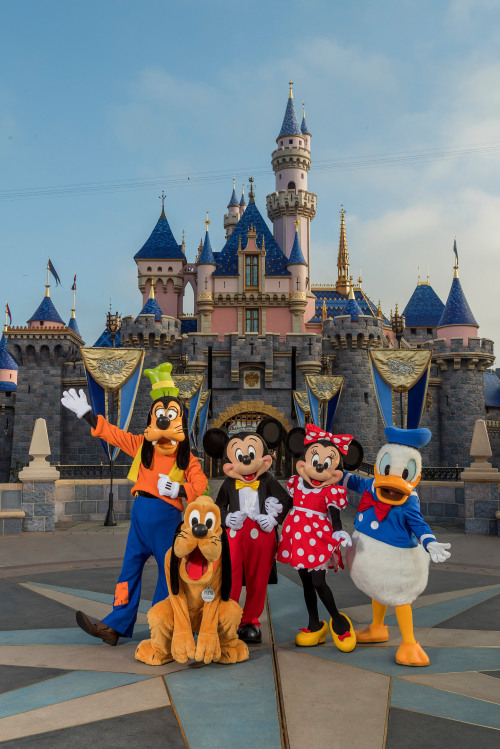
73	288
54	273
7	311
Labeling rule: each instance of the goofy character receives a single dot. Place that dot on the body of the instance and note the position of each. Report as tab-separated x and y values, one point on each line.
164	473
252	503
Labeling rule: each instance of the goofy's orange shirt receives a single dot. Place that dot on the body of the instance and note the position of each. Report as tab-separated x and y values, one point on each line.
195	481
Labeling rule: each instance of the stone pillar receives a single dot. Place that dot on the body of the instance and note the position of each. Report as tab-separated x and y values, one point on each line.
38	483
481	482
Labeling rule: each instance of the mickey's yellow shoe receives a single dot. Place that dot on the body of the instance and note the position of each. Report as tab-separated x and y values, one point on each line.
308	639
347	641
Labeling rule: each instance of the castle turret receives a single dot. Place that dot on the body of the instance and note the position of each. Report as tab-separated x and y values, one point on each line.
162	256
298	268
457	320
46	315
72	321
205	267
291	162
351	307
8	369
151	307
422	313
243	203
233	214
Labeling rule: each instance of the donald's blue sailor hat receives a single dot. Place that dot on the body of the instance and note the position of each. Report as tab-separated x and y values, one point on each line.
411	437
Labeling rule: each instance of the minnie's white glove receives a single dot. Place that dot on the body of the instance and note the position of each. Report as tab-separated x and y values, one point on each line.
343	537
168	488
438	551
235	520
266	522
76	402
273	506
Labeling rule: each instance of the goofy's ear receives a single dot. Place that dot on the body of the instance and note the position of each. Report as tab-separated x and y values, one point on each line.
174	565
214	443
147	453
225	590
354	456
271	431
295	441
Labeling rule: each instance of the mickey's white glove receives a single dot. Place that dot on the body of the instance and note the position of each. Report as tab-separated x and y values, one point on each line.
343	537
76	402
273	506
266	522
235	520
167	487
438	551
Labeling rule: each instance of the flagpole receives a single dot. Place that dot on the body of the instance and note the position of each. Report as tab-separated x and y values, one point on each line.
6	308
47	287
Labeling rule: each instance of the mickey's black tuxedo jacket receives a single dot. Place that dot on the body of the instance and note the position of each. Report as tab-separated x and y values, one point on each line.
228	497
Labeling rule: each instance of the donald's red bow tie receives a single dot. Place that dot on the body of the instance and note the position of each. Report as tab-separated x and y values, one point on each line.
315	434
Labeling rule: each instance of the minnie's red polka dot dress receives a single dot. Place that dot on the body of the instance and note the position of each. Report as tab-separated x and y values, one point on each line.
306	538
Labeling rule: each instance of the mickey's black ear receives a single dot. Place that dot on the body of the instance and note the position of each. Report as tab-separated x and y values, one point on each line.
225	590
354	456
214	443
271	431
295	440
174	566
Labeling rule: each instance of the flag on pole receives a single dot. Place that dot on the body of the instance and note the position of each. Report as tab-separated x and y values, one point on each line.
7	312
455	249
73	288
54	273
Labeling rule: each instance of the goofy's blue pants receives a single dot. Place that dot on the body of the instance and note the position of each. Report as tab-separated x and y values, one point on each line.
152	527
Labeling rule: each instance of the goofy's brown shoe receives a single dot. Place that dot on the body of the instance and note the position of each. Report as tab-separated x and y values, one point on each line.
97	629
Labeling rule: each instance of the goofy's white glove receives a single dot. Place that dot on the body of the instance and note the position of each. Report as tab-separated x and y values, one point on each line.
266	522
438	551
343	537
76	402
235	520
166	487
273	506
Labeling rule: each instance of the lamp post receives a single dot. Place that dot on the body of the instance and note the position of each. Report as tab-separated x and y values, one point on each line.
113	323
398	325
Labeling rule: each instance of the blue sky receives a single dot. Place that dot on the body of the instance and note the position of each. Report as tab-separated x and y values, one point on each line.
402	99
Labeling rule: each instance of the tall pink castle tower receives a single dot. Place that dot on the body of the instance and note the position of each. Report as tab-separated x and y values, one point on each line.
291	162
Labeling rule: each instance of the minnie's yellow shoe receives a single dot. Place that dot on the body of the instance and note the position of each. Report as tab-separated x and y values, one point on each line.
347	641
308	639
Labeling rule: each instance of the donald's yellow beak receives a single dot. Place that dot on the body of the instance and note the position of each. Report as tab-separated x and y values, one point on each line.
393	490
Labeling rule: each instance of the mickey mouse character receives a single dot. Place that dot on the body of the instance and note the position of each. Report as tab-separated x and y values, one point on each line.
312	534
164	472
252	503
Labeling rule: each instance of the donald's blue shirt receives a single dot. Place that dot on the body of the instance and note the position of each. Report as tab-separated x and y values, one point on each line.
403	527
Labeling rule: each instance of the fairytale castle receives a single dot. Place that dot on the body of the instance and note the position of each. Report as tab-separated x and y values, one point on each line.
259	326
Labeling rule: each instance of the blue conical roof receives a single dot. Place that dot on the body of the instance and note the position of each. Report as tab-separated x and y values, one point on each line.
234	200
290	124
161	243
457	310
46	312
104	340
227	259
242	201
74	325
6	360
351	308
424	308
207	255
296	255
151	308
303	128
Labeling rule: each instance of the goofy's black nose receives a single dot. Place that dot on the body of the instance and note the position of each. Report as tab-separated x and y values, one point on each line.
200	530
162	422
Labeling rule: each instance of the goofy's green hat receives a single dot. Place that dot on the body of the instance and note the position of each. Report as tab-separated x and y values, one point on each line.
161	381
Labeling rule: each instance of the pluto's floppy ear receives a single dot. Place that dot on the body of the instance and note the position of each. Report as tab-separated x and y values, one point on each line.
174	566
271	431
225	589
354	456
295	441
214	443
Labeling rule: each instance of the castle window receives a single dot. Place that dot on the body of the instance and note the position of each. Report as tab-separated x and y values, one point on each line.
251	270
148	268
413	331
159	268
291	141
429	331
170	269
291	185
281	176
281	142
251	321
302	176
300	142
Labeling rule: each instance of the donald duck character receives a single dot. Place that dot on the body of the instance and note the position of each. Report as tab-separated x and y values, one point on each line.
392	543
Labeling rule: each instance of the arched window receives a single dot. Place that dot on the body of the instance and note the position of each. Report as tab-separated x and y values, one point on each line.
149	268
291	185
159	268
170	269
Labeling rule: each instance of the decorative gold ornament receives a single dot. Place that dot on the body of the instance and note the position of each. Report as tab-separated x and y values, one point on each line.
111	367
252	378
324	387
401	368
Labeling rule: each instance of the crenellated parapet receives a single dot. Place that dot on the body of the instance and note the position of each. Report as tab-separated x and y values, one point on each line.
344	333
145	332
476	354
291	203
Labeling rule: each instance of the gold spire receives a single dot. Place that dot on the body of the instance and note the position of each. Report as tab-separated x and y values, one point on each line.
152	288
73	316
324	312
252	194
360	279
183	246
351	289
342	285
243	191
290	95
47	285
380	314
6	315
207	222
297	221
162	198
303	110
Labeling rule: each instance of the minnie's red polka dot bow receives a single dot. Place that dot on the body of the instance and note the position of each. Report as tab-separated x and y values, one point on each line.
340	441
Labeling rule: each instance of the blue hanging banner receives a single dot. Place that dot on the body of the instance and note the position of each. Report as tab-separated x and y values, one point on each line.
203	409
323	390
301	407
401	371
331	408
113	374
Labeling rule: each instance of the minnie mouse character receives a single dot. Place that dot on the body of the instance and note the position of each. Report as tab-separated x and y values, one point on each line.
312	533
252	503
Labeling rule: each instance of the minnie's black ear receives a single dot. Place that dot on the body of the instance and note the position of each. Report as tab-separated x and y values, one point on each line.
174	566
214	443
271	431
295	441
354	456
225	589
